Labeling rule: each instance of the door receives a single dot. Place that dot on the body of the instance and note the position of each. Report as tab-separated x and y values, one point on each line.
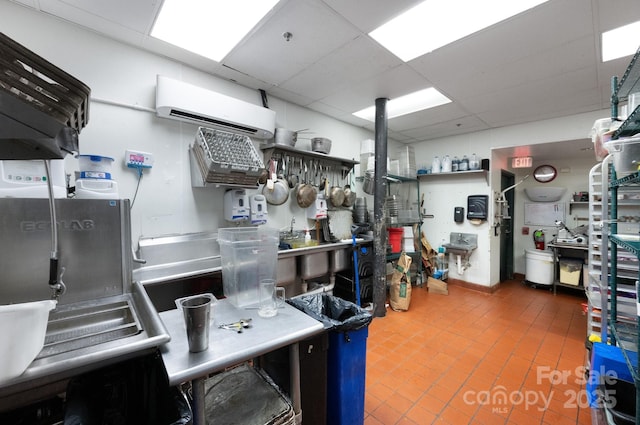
507	179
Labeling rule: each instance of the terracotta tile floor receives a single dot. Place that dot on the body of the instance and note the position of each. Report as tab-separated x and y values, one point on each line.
512	357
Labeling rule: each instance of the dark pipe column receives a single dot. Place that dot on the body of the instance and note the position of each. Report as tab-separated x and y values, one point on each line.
379	225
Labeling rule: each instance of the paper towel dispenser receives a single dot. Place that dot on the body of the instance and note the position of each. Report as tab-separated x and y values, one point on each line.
477	207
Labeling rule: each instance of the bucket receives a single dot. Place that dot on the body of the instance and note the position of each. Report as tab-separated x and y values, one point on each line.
539	267
95	166
395	238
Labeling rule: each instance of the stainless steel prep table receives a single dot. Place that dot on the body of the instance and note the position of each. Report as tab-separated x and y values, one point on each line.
228	348
579	252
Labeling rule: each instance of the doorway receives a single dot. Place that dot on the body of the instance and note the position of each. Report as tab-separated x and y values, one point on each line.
507	179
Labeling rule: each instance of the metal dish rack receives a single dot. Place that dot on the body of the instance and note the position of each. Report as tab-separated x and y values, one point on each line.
226	158
42	108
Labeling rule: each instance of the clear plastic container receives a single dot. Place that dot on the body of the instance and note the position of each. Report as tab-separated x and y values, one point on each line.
626	155
455	164
248	255
446	164
435	165
464	164
474	162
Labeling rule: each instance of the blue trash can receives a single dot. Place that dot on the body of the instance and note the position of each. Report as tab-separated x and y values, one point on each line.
347	325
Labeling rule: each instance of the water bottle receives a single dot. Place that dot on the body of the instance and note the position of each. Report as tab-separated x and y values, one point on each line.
464	164
474	164
435	165
446	164
455	164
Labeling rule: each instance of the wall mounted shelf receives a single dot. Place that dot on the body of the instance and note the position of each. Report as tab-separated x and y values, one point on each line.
471	173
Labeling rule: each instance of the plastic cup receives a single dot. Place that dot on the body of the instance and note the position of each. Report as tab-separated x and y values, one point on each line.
271	298
197	313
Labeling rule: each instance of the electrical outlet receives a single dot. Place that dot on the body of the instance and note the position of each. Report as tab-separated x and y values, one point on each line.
135	159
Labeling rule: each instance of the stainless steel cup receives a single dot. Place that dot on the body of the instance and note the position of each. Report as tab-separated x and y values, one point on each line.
197	313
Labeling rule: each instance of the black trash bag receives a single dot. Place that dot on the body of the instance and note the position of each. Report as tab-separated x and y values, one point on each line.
335	313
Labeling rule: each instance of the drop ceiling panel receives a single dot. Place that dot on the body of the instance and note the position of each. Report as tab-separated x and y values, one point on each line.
137	15
392	83
358	60
367	15
316	29
462	125
553	97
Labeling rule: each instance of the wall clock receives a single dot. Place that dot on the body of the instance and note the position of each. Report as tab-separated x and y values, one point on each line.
545	173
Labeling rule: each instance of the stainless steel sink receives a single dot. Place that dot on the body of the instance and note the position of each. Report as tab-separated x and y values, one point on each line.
89	334
461	243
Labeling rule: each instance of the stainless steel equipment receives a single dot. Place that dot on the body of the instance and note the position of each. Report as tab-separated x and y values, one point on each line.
104	315
42	108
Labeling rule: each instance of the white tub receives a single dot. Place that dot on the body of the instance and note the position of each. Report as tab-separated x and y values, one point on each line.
539	267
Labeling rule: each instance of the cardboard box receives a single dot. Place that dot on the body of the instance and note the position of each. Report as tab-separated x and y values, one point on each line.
570	271
437	286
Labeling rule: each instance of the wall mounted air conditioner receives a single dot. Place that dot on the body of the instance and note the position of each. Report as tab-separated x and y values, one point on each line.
186	102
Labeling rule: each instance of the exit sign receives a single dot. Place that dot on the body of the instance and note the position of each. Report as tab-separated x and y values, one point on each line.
521	162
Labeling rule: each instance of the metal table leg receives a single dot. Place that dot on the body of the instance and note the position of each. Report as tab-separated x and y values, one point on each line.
294	382
197	392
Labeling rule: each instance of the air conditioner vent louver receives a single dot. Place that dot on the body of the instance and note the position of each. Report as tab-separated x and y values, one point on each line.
206	120
185	102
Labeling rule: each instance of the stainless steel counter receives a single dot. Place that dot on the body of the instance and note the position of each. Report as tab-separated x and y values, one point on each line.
228	348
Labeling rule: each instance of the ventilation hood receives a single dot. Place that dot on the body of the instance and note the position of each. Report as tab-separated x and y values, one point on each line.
185	102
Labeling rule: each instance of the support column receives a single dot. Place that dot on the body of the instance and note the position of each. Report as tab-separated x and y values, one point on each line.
379	225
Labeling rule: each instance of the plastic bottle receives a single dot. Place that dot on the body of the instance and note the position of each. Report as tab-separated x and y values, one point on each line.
446	164
474	164
307	237
455	164
464	164
435	165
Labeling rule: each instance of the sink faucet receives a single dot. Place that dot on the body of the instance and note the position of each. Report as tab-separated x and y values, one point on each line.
293	220
462	240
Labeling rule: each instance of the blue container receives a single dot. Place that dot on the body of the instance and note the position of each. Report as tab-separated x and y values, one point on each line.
607	361
346	368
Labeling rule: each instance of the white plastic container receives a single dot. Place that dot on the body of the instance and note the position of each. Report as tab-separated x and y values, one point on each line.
539	267
95	166
626	155
96	189
22	327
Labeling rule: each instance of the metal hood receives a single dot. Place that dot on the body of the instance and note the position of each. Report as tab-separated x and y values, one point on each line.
186	102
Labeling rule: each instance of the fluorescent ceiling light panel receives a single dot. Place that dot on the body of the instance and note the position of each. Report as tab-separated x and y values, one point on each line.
433	24
412	102
620	42
206	27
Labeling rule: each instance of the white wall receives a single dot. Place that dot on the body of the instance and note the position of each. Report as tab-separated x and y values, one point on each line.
443	193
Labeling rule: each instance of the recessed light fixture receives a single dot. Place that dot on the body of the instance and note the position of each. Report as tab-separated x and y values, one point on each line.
208	28
412	102
620	42
425	27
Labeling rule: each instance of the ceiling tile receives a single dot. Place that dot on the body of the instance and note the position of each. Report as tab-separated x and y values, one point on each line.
392	83
367	15
316	29
358	60
137	15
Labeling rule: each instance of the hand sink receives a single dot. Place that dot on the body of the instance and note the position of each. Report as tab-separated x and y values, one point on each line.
461	243
459	248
